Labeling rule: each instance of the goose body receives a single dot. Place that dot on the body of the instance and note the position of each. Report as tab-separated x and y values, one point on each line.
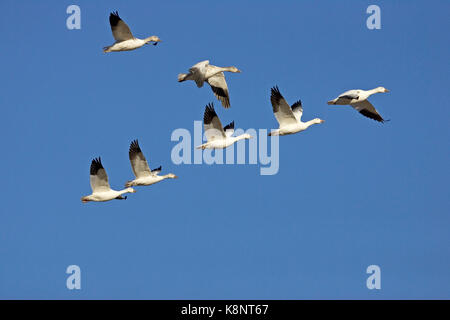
139	165
217	136
214	76
101	191
288	117
125	41
358	100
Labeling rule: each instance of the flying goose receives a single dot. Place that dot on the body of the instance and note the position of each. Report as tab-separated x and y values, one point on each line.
125	40
217	136
358	100
101	191
214	76
288	117
144	176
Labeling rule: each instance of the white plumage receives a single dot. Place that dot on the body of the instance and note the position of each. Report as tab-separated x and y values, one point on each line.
217	136
101	191
289	117
125	41
144	176
358	100
214	76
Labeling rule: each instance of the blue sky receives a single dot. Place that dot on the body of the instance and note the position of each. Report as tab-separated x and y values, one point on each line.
349	193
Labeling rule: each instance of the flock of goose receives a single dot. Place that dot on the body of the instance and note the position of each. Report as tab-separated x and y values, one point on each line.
289	117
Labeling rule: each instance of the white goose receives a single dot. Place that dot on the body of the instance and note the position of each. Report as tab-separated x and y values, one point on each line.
144	176
288	117
358	100
217	136
101	191
204	72
125	40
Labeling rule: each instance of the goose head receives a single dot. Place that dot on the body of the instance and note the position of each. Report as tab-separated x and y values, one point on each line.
317	121
382	89
171	176
154	39
130	190
234	69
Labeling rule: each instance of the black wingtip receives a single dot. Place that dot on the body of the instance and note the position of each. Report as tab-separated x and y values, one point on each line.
229	126
114	18
373	116
209	114
275	93
274	90
157	169
134	147
96	165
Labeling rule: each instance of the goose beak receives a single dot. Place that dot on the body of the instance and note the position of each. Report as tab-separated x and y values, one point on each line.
386	90
322	121
175	177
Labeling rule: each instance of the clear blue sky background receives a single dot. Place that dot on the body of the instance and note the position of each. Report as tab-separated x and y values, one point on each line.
349	193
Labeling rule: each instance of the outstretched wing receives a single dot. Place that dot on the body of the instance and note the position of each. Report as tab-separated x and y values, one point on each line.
281	109
98	176
229	129
213	126
157	170
220	88
368	110
297	110
119	28
137	159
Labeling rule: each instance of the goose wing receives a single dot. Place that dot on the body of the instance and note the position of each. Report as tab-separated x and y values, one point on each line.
119	28
368	110
138	162
281	109
98	176
213	126
220	88
157	170
297	110
198	72
349	95
229	129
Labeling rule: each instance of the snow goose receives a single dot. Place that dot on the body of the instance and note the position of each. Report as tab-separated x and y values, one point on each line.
144	176
288	117
358	100
214	76
101	191
125	40
217	136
